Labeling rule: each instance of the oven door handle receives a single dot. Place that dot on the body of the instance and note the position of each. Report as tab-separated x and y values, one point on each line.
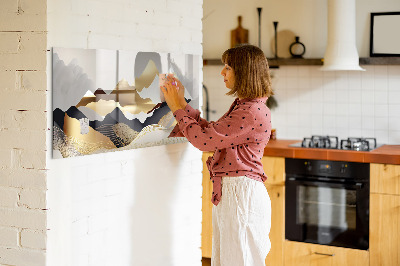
357	185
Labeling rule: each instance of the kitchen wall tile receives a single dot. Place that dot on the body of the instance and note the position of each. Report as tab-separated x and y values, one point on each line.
367	96
394	137
278	71
278	83
394	110
367	133
317	120
394	83
292	83
355	96
317	95
382	123
291	133
394	123
380	71
342	80
342	96
329	109
355	109
320	99
355	122
304	108
368	122
394	97
393	71
355	132
342	122
317	131
317	108
342	109
315	72
381	110
367	82
291	71
329	122
316	82
304	72
380	84
329	93
304	82
293	120
328	74
342	133
367	110
330	131
381	97
354	82
382	136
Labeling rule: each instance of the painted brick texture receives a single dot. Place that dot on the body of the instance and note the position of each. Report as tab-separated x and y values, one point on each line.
123	208
23	132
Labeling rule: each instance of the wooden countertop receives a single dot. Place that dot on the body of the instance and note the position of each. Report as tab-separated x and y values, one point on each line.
389	154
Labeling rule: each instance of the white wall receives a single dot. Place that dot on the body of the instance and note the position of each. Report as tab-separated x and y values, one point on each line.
313	102
23	133
136	207
305	18
344	103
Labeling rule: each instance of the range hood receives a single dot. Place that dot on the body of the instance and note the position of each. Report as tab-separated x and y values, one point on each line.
341	51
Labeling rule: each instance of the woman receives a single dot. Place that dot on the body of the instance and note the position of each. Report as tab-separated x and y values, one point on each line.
242	208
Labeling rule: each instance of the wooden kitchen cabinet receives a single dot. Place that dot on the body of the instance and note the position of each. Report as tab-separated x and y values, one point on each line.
274	168
384	236
277	233
305	254
206	225
385	178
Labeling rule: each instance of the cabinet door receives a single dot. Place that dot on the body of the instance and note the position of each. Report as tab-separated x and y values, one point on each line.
277	233
274	168
206	232
304	254
385	178
384	230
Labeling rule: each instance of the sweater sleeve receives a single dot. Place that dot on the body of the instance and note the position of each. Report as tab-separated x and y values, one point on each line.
231	130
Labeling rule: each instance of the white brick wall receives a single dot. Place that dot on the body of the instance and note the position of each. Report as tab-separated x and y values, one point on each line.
23	132
137	207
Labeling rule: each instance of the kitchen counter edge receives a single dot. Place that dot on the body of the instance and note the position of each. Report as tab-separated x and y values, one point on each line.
386	154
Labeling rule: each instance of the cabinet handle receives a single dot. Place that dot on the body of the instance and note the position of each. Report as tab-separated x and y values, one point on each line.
325	254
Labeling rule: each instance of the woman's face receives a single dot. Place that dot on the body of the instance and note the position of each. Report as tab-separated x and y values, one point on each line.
229	76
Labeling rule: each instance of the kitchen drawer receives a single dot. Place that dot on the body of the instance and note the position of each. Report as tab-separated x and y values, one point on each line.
305	254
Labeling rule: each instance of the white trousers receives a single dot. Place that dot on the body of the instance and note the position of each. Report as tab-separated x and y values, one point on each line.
241	223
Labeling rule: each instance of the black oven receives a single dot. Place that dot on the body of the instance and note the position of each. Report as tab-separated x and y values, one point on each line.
327	202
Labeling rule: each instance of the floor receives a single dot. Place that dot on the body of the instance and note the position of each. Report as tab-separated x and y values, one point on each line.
206	261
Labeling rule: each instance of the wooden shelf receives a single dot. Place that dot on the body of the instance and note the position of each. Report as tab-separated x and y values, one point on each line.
273	63
380	61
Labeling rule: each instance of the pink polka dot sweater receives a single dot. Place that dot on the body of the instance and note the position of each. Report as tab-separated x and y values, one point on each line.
238	139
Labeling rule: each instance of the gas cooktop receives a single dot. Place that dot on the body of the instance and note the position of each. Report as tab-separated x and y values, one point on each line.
332	142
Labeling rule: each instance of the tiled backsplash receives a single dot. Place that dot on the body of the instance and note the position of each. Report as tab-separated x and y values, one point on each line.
314	102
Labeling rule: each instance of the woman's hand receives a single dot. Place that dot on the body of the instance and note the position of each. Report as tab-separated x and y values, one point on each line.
174	92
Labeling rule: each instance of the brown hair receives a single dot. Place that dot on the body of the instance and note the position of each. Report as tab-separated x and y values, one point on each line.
250	66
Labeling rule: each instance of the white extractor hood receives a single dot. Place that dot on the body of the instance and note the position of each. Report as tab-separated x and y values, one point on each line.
341	51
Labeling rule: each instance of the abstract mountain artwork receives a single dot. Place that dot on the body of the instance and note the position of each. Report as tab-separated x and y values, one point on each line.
110	100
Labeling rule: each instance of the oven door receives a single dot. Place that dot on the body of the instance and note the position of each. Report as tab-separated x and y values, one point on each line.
327	213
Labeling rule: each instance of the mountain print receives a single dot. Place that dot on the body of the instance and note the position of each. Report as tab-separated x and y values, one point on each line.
95	113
